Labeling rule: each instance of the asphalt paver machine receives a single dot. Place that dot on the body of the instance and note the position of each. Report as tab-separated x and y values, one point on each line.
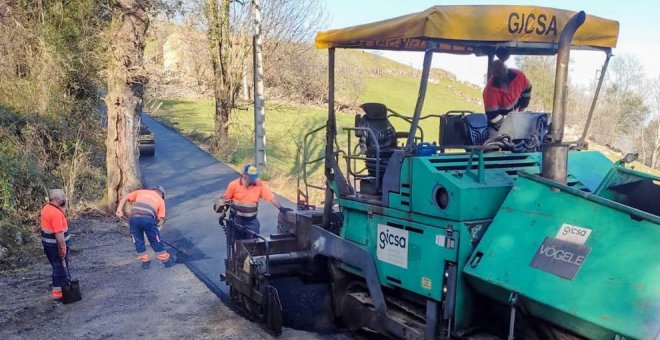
543	241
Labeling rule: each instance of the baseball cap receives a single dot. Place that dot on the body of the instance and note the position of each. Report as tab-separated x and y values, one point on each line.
251	172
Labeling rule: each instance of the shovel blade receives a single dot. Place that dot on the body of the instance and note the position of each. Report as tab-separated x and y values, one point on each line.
71	292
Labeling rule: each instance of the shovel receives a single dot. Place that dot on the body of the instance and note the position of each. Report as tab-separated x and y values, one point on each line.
71	289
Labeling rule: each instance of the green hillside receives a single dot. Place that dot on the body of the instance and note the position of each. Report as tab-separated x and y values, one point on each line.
400	95
396	85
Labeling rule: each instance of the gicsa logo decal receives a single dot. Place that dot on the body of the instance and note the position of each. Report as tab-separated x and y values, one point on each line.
572	233
390	239
392	245
528	23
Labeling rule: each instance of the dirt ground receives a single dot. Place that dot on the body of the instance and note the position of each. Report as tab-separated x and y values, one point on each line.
120	300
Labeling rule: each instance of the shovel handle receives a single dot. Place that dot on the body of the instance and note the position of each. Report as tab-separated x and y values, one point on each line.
65	263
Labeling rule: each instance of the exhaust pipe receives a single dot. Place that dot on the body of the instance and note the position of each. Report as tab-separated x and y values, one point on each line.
555	153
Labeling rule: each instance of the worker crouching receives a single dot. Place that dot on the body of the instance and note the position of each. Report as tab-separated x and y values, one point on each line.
147	212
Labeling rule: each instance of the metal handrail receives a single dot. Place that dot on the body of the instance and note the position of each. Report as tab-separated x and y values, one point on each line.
352	170
305	160
377	144
266	248
407	119
481	171
231	238
432	115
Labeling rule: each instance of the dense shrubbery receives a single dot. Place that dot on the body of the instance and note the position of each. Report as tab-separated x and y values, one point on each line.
37	153
50	136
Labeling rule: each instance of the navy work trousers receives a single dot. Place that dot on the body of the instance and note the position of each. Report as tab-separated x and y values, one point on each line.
53	255
145	225
251	223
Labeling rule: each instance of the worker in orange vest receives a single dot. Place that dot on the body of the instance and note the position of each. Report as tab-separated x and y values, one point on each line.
55	239
507	90
147	212
245	192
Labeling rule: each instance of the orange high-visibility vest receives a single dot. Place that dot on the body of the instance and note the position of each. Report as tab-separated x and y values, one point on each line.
147	203
53	221
246	198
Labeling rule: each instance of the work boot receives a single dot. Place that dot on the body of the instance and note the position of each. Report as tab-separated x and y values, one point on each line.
146	265
170	262
57	297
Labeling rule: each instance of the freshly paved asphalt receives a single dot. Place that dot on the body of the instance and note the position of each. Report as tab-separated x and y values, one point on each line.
193	180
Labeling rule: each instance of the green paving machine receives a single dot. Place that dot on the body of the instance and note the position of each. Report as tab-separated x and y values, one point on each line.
521	235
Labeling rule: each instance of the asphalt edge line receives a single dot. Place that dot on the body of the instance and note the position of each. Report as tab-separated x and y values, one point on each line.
208	282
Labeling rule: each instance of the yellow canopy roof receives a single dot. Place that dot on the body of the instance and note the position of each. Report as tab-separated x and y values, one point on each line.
474	29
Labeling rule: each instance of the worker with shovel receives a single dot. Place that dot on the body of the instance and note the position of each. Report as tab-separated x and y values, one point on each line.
147	212
55	239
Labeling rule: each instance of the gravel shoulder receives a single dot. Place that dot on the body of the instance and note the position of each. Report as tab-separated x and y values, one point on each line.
120	300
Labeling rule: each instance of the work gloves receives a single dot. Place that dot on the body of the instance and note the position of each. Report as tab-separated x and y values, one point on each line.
221	205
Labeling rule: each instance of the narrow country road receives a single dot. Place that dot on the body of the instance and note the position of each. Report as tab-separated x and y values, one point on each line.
193	180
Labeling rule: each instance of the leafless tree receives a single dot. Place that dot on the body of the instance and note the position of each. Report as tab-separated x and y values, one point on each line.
622	109
227	50
650	133
229	27
540	70
291	21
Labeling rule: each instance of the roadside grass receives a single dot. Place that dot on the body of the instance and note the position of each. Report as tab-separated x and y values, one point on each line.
400	94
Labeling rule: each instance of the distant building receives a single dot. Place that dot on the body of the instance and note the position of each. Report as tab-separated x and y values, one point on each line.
178	55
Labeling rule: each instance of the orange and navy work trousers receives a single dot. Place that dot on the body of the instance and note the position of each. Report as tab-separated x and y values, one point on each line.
59	275
146	225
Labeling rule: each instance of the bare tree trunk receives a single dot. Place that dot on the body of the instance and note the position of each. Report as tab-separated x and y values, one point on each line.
218	20
259	112
642	143
655	149
126	81
245	87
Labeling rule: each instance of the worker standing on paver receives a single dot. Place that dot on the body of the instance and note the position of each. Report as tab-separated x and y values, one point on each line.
245	192
147	212
55	238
